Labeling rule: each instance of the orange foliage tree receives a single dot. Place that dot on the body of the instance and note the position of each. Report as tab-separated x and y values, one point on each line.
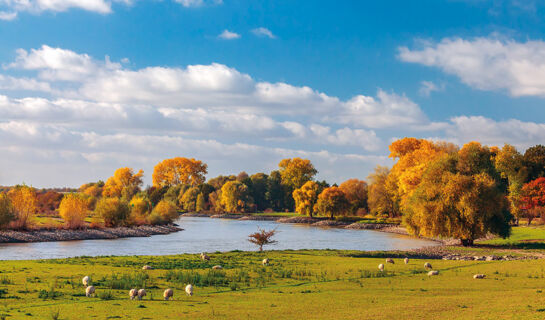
179	170
23	199
124	182
533	199
332	202
73	209
305	198
355	191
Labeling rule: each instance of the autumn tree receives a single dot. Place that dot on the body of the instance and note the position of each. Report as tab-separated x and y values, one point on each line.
262	238
306	197
380	199
510	164
7	212
295	172
200	204
533	199
355	191
124	183
24	201
189	199
332	201
48	202
179	170
459	197
73	209
164	212
114	211
140	208
534	160
235	197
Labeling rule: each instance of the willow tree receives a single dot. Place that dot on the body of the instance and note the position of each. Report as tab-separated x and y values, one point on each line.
459	197
305	198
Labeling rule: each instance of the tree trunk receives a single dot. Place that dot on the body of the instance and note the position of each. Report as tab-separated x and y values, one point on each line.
261	248
466	242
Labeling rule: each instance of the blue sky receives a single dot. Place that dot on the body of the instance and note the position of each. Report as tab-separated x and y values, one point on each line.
88	86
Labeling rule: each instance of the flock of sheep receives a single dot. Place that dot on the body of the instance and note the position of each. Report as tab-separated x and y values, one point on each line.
427	266
141	293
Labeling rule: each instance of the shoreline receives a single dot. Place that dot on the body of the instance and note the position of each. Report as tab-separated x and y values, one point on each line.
50	235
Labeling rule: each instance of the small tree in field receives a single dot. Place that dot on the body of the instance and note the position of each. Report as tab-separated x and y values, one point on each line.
262	237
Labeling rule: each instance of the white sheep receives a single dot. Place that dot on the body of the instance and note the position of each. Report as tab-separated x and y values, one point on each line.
265	261
406	260
133	293
479	276
390	260
146	267
381	267
86	281
217	267
205	257
427	265
141	294
433	273
189	290
168	294
89	291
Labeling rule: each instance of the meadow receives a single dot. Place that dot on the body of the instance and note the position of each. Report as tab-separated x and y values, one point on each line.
305	284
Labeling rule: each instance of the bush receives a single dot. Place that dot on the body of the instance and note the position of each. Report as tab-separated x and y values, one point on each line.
164	212
73	209
140	208
7	213
114	211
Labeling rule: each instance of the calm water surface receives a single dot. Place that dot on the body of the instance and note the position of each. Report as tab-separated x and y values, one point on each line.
209	235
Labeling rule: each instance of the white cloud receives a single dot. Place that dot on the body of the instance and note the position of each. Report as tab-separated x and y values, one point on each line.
7	16
228	35
367	139
487	63
38	6
427	87
263	32
198	3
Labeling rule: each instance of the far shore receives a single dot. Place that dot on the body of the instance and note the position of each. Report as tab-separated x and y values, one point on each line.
48	235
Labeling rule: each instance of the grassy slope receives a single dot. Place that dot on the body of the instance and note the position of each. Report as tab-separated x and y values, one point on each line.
322	285
525	237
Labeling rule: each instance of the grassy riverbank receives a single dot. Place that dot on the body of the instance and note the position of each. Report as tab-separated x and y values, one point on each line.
297	284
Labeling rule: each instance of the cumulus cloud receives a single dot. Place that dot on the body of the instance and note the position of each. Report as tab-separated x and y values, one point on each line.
487	63
263	32
228	35
38	6
427	87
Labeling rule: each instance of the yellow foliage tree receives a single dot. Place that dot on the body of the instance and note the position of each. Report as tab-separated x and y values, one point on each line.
380	199
179	170
164	212
305	198
355	191
234	197
7	213
510	163
24	201
332	202
296	172
73	209
124	182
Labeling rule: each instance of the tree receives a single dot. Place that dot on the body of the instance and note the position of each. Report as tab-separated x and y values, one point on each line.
262	238
533	199
356	193
164	212
459	197
114	211
276	194
235	197
510	164
140	208
380	199
124	183
200	205
534	160
295	172
332	202
171	172
48	202
73	209
306	197
259	190
24	201
7	212
189	199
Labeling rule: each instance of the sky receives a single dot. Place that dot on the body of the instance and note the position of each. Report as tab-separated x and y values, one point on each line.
88	86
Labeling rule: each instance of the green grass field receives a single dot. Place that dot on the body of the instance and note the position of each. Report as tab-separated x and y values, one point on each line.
296	285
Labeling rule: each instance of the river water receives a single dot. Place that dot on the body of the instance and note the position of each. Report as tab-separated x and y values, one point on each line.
210	235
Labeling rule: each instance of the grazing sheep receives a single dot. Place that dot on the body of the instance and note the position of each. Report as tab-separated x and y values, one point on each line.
204	257
189	290
168	294
390	260
427	265
217	267
141	294
406	260
89	291
433	273
479	276
133	293
146	267
265	261
86	281
381	267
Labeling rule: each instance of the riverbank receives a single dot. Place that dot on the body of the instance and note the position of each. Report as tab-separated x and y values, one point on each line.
48	235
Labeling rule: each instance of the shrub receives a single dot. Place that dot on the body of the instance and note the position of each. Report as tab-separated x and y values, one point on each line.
24	201
164	212
73	209
114	211
7	212
140	208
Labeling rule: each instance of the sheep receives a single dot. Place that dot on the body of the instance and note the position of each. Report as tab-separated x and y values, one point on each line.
133	293
86	280
406	260
381	267
427	265
204	257
265	261
189	290
141	294
146	267
217	267
433	273
168	294
390	260
479	276
89	291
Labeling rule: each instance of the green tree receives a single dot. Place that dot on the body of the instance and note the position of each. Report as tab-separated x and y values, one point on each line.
7	212
114	211
534	160
259	190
